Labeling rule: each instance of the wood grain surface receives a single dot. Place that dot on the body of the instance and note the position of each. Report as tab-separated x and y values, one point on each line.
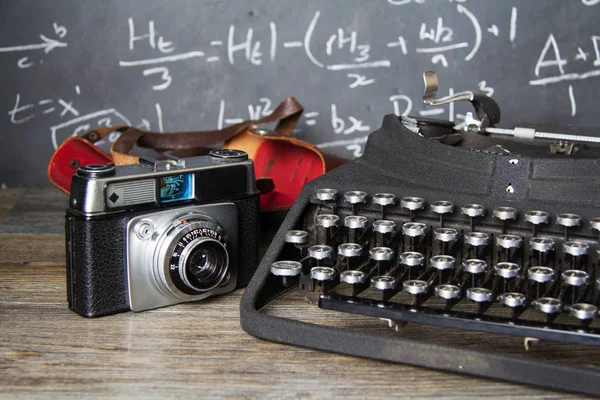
185	351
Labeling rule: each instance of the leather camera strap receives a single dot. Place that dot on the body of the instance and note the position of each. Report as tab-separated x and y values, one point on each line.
185	144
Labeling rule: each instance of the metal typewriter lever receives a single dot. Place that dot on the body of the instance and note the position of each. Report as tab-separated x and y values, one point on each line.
488	115
488	111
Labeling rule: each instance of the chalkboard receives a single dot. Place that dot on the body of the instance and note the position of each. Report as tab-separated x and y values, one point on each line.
193	65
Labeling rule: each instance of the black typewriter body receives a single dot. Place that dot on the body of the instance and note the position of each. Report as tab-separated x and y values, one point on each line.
445	230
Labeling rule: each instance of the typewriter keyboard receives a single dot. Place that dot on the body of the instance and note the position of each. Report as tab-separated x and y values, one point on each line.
505	270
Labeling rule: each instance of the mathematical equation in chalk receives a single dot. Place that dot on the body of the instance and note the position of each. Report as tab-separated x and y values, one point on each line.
325	46
36	51
434	39
67	119
551	67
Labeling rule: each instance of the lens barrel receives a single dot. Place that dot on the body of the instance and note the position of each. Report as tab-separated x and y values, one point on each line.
205	265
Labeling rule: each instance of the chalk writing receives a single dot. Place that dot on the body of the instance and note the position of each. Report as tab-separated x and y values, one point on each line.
348	65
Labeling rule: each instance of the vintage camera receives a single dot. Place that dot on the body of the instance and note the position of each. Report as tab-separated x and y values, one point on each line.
160	232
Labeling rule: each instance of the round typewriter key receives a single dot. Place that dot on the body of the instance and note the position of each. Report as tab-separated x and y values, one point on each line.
412	258
412	203
327	220
414	229
286	268
326	194
473	210
477	239
507	270
568	220
447	292
541	244
537	217
381	254
479	295
355	197
513	299
575	277
475	266
384	282
509	241
353	277
356	222
548	305
442	207
384	199
583	311
322	273
575	248
505	213
320	251
445	234
442	262
540	274
384	226
350	249
296	237
415	286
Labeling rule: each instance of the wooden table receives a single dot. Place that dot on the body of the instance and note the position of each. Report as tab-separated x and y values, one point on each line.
185	351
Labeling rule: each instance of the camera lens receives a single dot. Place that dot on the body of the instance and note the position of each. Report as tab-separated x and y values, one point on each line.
203	264
192	257
206	265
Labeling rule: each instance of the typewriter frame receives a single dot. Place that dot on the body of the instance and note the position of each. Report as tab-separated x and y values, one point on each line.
265	288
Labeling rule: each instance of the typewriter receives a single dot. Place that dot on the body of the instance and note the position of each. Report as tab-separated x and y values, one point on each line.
481	231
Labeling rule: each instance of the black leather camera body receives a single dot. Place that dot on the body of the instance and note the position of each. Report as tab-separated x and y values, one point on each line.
160	233
445	229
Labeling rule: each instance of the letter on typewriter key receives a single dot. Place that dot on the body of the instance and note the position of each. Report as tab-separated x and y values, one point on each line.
412	204
384	230
536	218
356	225
568	220
473	211
504	214
326	194
441	208
296	237
286	269
324	276
384	200
355	197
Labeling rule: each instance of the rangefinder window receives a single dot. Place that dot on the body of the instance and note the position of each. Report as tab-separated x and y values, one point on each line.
176	188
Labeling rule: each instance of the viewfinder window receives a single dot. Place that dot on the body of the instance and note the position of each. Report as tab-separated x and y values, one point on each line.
176	187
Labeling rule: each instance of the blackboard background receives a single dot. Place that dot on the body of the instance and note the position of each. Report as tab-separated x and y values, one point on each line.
85	78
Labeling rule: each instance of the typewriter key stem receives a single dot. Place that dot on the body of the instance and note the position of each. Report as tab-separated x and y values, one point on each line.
384	199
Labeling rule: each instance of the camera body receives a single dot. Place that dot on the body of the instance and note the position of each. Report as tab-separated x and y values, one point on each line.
160	232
